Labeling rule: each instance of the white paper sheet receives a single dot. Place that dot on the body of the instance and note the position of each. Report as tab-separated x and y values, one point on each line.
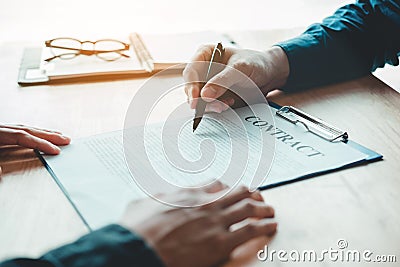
93	172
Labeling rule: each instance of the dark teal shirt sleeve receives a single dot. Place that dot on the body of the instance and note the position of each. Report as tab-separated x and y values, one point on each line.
108	247
353	42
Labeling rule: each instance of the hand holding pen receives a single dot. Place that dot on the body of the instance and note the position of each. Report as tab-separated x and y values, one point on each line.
267	69
212	70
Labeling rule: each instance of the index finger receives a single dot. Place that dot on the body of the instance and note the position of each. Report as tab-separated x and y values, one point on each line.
52	136
24	139
234	196
194	72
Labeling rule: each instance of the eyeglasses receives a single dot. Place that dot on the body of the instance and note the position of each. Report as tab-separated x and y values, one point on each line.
69	48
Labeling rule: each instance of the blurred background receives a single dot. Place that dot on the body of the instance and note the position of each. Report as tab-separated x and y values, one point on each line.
36	21
45	19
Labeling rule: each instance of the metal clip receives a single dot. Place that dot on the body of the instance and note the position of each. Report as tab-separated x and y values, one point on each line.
312	124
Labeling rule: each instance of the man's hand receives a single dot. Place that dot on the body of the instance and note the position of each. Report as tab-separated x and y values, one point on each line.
268	70
200	236
29	137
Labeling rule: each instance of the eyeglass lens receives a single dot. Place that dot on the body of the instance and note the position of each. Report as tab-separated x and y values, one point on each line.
66	48
64	53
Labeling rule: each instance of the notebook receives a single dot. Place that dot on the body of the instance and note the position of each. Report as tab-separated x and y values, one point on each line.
165	51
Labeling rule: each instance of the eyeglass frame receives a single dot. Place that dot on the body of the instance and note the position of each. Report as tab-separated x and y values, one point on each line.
86	52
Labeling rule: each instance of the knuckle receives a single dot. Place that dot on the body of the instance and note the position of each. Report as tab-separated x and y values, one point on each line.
216	183
241	64
20	134
244	67
242	188
213	187
223	77
219	242
212	205
250	206
203	48
219	183
213	220
202	53
187	71
251	229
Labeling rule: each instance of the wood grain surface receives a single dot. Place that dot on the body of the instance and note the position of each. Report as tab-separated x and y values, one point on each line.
360	205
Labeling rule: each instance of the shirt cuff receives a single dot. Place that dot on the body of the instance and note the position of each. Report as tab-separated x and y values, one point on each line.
301	52
112	245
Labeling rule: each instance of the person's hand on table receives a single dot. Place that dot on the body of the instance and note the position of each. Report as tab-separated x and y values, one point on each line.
267	69
200	236
45	141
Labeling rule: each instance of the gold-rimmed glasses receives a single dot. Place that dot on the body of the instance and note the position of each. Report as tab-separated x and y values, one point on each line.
69	48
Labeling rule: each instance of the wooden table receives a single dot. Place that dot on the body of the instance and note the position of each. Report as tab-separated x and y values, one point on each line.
360	205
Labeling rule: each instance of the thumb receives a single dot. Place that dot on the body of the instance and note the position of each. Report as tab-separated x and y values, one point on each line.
218	84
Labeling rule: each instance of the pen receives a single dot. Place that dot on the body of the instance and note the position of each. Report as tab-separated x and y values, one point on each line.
216	57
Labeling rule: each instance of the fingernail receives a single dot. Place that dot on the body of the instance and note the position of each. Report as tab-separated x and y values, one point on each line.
257	195
224	107
272	210
272	228
66	139
209	92
214	108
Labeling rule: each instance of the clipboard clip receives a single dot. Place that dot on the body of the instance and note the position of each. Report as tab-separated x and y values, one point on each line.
312	124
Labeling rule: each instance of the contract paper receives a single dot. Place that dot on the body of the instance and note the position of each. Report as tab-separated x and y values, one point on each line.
95	176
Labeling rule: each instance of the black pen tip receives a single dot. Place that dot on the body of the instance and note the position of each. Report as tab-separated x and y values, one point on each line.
196	123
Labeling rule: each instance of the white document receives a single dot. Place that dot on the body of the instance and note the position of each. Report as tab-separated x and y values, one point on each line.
94	175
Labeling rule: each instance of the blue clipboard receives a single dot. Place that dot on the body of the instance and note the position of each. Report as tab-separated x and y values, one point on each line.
93	222
371	156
